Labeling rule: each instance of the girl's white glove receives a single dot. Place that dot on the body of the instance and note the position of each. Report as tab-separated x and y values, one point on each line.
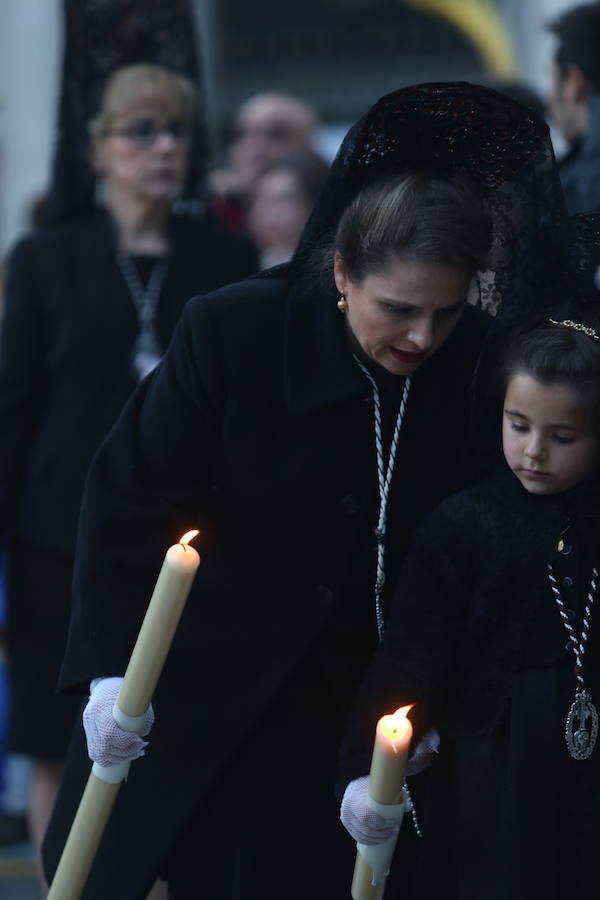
365	826
107	743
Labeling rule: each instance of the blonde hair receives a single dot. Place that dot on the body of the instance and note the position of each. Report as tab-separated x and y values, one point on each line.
142	82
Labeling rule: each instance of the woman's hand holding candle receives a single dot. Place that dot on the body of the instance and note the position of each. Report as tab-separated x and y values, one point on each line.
109	744
129	702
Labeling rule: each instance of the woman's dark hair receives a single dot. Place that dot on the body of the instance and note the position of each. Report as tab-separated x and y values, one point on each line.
416	217
559	354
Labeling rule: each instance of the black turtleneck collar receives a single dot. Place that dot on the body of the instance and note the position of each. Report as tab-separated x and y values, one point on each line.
579	502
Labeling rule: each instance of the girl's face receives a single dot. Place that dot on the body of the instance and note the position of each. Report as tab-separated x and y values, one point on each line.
403	315
548	436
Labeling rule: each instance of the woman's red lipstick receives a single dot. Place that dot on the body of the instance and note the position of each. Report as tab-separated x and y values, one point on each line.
405	357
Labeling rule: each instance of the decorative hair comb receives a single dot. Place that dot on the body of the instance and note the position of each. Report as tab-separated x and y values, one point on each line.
576	326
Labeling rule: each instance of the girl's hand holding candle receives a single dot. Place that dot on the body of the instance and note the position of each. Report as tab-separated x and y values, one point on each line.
386	798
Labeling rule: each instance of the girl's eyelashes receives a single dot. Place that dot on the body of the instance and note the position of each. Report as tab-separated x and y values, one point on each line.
522	428
518	426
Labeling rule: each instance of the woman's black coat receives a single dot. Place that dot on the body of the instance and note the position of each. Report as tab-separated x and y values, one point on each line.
257	428
68	328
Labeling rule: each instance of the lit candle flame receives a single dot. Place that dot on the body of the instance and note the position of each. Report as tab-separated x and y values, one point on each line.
397	721
395	725
187	537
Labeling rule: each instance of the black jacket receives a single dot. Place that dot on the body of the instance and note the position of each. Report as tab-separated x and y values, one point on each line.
256	428
473	607
68	329
580	169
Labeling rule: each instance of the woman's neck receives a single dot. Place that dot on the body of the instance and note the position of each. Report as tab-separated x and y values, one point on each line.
141	225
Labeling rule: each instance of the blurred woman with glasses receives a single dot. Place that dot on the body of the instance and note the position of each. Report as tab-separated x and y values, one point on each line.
91	304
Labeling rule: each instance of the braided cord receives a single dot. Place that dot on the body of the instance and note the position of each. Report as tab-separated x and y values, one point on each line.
384	478
145	300
577	645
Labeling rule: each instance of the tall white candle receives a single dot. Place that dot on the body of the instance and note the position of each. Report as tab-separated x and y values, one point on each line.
386	777
158	628
145	665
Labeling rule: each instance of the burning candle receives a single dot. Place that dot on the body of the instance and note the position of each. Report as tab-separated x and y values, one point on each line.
145	665
158	628
388	765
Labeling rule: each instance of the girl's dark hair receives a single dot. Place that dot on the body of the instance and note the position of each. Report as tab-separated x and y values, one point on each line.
559	354
417	217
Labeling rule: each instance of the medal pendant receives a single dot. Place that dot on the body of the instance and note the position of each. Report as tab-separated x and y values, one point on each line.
581	730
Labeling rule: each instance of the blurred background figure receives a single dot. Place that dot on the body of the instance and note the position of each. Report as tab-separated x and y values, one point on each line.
14	769
574	103
92	298
279	203
267	128
522	93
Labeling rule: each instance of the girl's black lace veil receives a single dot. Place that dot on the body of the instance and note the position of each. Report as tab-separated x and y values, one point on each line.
569	259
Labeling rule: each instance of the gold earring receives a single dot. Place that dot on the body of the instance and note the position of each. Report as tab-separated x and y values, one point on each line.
342	304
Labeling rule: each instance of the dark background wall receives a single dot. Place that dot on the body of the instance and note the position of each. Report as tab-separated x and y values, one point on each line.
340	54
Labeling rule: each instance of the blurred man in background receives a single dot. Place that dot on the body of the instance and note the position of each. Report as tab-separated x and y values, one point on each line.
574	103
267	128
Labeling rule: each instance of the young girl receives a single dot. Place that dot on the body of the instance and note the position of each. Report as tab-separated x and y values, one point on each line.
495	639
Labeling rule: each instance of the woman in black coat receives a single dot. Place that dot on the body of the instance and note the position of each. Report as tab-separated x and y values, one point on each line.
258	428
87	303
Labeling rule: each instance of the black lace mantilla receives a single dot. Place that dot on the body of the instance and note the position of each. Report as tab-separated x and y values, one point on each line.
456	127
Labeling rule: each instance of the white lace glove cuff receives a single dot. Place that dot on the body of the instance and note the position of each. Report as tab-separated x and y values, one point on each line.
108	743
359	818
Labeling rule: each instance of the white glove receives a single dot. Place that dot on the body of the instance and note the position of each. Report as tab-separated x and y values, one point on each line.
107	743
365	826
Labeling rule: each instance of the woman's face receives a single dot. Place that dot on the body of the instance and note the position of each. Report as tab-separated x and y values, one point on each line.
146	150
402	316
278	211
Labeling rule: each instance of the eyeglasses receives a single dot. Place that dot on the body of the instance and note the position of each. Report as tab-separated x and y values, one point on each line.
146	132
